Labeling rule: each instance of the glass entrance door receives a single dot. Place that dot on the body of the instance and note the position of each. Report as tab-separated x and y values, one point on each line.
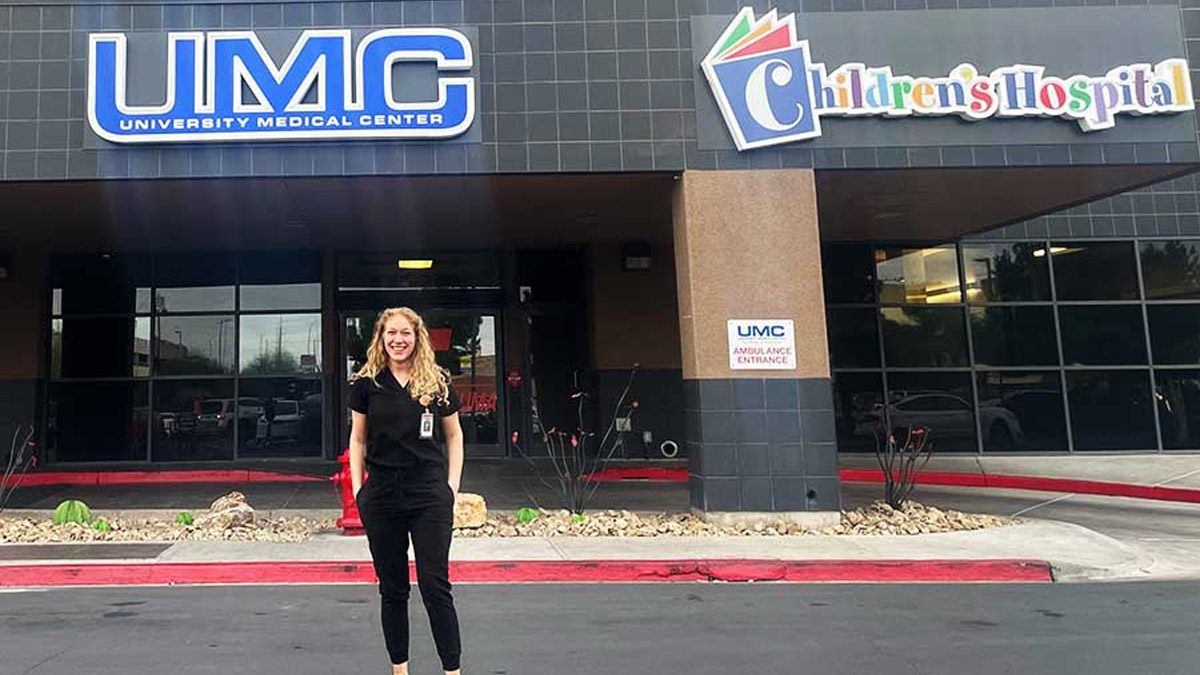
467	344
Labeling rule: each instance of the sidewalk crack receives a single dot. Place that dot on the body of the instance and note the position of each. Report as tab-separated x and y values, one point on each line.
1172	479
561	553
46	660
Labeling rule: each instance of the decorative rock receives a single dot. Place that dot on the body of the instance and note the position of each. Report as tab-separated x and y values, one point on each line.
227	512
470	511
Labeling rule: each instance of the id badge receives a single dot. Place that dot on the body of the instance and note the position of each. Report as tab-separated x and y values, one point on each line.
426	424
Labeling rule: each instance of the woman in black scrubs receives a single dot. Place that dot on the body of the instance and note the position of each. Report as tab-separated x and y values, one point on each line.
401	403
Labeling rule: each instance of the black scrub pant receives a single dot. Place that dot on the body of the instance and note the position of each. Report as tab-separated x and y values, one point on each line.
395	504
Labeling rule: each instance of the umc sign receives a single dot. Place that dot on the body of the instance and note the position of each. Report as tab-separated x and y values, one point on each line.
768	344
224	86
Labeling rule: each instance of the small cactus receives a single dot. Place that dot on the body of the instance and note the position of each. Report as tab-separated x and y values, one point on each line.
101	525
72	511
526	515
184	518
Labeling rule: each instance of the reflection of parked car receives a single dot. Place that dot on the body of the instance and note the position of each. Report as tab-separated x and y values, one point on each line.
284	426
1040	412
947	416
216	414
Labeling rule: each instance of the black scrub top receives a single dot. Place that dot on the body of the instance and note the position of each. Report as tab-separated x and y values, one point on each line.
394	424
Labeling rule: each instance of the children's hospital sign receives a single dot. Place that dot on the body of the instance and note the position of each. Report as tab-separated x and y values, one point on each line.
772	88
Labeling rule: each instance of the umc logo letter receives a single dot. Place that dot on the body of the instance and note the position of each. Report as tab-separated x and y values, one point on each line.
224	86
761	81
753	331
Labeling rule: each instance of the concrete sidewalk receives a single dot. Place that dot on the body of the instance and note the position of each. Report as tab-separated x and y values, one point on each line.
1074	553
1178	471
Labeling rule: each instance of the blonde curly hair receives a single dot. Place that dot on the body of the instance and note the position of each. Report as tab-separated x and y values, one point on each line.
429	381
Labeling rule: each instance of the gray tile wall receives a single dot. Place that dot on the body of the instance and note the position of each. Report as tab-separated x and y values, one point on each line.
658	393
1165	209
567	85
761	444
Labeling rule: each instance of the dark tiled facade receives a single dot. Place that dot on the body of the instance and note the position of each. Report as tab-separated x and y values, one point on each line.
565	86
761	444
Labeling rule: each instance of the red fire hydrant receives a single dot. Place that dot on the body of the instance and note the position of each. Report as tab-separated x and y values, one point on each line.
350	522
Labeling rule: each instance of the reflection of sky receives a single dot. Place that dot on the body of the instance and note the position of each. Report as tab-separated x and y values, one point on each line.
281	296
199	335
297	334
198	299
487	336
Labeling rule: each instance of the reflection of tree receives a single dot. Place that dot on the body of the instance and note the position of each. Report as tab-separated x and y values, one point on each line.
924	336
176	359
273	363
1012	336
1014	273
464	341
1172	269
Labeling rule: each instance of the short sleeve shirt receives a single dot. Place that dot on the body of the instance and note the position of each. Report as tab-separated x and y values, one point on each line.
394	423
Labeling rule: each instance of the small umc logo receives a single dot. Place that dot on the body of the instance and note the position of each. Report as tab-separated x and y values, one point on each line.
224	86
759	73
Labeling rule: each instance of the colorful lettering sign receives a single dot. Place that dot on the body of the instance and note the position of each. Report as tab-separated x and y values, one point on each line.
224	86
770	91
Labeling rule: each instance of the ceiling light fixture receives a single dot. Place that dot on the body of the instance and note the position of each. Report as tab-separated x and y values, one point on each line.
415	264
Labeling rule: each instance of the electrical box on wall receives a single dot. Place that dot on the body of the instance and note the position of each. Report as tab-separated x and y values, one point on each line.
635	256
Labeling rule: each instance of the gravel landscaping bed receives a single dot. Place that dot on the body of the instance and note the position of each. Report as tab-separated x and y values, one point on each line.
233	519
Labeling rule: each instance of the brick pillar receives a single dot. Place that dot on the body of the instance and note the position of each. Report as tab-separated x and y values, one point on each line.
760	443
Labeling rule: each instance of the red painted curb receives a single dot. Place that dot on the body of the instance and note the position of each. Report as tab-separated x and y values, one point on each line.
1038	483
596	571
655	473
158	477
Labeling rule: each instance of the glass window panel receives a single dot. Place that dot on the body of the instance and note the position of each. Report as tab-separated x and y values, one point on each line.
918	337
1014	336
849	271
1179	408
280	417
853	337
99	284
939	401
465	345
194	420
1102	335
1110	409
1095	270
917	275
194	345
281	296
280	280
194	283
1174	333
280	344
858	408
1171	269
1006	272
1022	411
100	347
98	421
